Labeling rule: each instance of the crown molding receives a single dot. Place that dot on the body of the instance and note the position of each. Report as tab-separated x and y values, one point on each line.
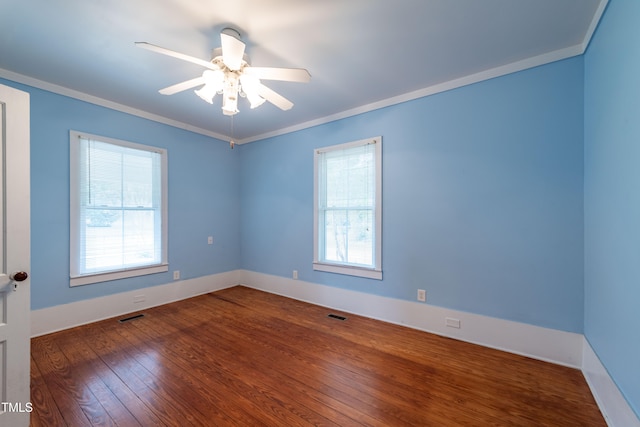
510	68
488	74
81	96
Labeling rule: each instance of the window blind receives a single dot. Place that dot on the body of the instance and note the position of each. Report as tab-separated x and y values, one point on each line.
347	205
119	209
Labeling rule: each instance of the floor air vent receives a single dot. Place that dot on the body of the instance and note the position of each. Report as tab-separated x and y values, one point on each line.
335	316
126	319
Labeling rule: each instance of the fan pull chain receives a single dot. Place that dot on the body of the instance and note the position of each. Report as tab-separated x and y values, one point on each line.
231	142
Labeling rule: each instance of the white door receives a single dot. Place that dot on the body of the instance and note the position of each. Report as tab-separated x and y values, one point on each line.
15	356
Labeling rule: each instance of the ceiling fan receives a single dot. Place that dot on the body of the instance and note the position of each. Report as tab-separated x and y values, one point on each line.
229	74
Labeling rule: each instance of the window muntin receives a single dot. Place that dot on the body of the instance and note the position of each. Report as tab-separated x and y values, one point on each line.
118	209
347	221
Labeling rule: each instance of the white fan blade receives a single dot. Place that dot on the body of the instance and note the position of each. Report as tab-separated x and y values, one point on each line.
178	55
232	51
274	97
285	74
182	86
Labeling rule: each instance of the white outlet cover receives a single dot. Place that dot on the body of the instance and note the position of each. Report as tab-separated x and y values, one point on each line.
452	322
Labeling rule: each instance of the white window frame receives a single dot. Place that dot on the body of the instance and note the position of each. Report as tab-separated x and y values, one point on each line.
77	278
320	264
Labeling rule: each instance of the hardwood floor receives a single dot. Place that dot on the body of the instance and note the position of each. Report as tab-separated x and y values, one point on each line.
242	357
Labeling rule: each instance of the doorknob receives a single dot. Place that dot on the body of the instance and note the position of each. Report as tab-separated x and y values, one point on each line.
20	276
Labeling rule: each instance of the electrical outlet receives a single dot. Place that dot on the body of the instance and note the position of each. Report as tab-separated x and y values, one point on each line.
210	240
295	274
452	323
176	275
422	295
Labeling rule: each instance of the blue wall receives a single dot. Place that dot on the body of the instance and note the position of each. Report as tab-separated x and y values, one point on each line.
203	201
612	196
482	196
482	190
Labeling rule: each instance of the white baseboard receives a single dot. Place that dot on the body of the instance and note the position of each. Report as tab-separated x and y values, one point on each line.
65	316
550	345
560	347
612	404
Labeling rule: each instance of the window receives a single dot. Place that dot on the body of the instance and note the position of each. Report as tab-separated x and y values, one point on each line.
348	208
118	209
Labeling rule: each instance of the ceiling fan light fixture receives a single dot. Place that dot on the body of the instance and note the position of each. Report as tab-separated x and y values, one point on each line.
255	101
230	94
214	83
214	78
250	86
229	103
206	93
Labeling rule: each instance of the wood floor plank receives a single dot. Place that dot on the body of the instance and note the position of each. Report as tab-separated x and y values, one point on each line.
252	352
512	375
329	375
263	377
281	412
42	401
244	357
343	362
87	363
206	396
76	404
165	403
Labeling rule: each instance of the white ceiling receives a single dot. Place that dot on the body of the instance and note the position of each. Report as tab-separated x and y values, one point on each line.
361	54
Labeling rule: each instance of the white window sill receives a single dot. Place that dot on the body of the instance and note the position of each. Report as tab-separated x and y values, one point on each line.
368	273
115	275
